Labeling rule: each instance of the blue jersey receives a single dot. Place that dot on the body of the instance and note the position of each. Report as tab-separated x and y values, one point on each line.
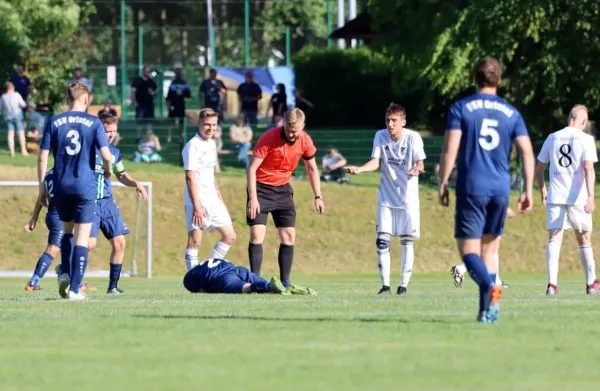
73	137
489	125
103	185
199	278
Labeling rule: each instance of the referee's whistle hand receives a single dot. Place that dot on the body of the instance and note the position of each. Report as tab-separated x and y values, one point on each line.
320	206
253	209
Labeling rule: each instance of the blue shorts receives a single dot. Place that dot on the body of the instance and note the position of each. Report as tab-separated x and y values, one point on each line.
478	216
108	219
14	124
75	207
55	227
234	281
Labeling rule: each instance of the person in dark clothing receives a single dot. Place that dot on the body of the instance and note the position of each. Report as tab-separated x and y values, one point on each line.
108	109
279	102
179	90
211	91
250	93
143	91
21	82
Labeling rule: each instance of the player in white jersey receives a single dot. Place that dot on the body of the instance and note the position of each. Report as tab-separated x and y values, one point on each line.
569	200
204	206
401	154
458	271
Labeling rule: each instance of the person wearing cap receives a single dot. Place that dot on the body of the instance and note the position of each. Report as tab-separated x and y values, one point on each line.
108	109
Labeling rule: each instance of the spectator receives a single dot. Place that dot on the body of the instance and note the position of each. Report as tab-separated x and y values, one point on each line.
241	136
78	76
21	82
148	149
332	165
279	102
178	92
143	91
37	120
249	93
108	109
277	121
11	106
211	91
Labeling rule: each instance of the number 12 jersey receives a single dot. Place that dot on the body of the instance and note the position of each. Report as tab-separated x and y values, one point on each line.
566	150
489	124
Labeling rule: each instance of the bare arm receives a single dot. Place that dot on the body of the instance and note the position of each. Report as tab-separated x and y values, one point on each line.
128	181
526	151
251	177
449	153
313	176
539	175
590	180
42	164
369	166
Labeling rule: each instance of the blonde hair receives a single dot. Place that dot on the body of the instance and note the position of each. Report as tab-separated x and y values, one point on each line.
206	113
76	91
576	110
294	116
9	85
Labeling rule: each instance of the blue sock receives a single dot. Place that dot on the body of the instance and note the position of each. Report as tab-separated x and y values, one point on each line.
492	278
261	287
41	268
79	263
65	253
115	274
478	272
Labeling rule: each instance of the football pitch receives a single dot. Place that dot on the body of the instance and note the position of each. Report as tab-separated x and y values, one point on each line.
159	337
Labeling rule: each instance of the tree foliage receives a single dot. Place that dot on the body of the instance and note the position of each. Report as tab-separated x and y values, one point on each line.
548	48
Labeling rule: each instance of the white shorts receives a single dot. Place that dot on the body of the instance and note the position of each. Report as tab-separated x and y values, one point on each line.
397	222
568	217
216	216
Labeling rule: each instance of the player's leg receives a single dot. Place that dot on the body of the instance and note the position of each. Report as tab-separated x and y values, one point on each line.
258	230
497	263
409	230
55	235
556	223
384	229
582	225
458	274
22	143
194	239
285	221
219	218
114	229
83	218
256	284
11	138
117	254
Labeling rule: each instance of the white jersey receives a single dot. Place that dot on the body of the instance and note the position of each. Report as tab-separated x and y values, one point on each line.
200	156
396	188
566	150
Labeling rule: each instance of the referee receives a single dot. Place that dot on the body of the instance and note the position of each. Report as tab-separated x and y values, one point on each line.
276	156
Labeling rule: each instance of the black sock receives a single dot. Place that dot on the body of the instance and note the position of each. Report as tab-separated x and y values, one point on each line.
285	259
255	255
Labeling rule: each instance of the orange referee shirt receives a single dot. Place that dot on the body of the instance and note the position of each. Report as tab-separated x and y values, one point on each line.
281	156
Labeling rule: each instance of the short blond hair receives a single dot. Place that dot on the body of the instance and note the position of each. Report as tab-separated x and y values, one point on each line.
294	116
206	113
9	85
108	119
576	110
76	91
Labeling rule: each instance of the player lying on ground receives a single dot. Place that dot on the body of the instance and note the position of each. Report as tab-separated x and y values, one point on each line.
401	154
203	204
221	276
458	271
107	217
569	200
74	137
481	130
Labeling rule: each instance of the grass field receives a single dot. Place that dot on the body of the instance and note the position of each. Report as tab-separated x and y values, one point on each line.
159	337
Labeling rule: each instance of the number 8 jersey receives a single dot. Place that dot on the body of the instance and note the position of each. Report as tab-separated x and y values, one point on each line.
489	125
566	150
73	137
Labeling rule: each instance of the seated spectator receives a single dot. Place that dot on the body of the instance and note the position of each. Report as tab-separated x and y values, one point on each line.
36	120
333	167
108	109
277	121
148	149
241	135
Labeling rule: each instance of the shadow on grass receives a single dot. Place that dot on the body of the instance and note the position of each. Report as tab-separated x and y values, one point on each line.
286	319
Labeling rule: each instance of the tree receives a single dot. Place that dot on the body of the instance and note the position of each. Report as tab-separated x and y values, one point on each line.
546	47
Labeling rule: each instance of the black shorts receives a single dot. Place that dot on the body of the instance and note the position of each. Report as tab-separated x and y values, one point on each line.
277	200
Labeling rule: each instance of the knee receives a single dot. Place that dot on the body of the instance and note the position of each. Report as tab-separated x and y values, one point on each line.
53	251
287	237
229	238
383	243
91	244
118	244
257	236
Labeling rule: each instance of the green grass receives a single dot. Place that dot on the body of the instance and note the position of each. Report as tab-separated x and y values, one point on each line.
159	337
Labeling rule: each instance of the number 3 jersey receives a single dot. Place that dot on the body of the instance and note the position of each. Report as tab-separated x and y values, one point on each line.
566	150
73	137
489	125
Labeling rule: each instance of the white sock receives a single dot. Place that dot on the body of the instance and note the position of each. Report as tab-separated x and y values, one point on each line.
384	263
462	269
497	262
220	250
586	254
191	258
407	260
552	255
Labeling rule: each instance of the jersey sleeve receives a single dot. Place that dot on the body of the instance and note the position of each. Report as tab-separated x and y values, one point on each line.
418	148
376	152
189	158
454	118
45	143
544	155
100	135
520	128
308	148
589	152
263	146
